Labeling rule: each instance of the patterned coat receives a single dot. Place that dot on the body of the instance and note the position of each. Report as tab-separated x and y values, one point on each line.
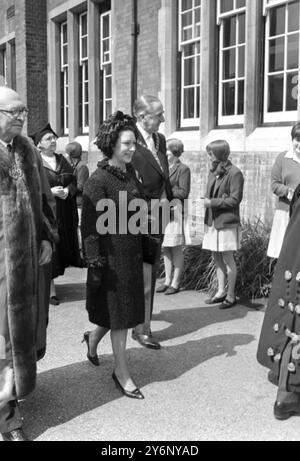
279	345
23	225
115	286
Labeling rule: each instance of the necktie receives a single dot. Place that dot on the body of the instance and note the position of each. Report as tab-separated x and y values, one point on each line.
151	146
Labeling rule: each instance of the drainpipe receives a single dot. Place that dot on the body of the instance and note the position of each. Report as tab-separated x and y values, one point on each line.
135	30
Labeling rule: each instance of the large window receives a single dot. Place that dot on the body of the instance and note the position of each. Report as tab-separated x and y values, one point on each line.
3	67
83	74
64	77
189	48
232	39
106	63
281	60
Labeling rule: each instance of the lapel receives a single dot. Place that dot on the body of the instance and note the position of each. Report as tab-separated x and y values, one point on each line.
147	154
221	180
173	170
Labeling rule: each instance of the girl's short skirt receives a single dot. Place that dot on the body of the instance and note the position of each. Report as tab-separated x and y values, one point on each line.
280	223
221	239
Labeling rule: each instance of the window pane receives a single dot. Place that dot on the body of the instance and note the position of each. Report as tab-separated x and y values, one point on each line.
84	24
294	15
197	2
226	5
187	19
189	50
105	32
240	3
198	70
108	108
108	88
275	97
86	115
277	21
229	32
241	86
276	55
67	118
187	4
189	71
65	34
293	51
242	28
84	48
187	34
86	92
292	91
65	55
228	98
241	61
189	103
229	64
198	101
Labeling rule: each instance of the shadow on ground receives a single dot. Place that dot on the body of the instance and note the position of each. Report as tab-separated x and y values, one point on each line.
65	393
71	292
186	321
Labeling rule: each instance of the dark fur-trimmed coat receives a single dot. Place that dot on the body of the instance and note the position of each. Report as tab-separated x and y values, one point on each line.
25	225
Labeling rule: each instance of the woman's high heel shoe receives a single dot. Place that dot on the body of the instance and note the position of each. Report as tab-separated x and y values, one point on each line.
93	359
136	394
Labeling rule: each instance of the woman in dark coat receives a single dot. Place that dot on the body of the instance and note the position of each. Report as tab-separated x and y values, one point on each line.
63	186
279	345
115	289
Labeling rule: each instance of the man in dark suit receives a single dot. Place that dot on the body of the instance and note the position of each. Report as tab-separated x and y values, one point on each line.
151	165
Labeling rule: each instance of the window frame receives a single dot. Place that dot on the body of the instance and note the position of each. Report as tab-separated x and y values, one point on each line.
195	121
65	72
279	116
83	64
236	119
3	54
105	64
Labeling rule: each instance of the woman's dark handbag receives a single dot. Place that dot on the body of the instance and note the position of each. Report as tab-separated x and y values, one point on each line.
151	249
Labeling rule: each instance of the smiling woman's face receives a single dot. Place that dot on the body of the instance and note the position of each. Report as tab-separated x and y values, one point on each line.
125	147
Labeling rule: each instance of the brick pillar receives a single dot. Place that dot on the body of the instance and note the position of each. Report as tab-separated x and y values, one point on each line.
208	50
36	62
253	53
73	40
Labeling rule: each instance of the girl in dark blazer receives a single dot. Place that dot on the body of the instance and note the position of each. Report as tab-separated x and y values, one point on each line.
174	239
222	219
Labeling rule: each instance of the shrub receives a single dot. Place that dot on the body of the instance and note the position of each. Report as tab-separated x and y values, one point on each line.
255	270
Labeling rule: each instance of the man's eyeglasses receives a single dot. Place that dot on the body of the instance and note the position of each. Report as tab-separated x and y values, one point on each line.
17	113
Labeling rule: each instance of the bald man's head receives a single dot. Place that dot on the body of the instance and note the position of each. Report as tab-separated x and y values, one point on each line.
12	114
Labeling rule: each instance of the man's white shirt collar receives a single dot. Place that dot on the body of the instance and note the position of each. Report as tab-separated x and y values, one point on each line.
143	132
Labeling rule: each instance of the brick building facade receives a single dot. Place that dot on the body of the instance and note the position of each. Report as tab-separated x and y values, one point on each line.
223	68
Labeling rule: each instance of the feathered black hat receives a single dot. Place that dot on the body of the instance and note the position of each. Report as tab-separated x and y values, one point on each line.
37	136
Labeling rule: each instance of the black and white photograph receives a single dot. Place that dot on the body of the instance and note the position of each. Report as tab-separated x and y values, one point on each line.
149	223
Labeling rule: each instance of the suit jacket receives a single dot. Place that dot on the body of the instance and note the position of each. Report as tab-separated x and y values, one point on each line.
153	179
82	174
226	194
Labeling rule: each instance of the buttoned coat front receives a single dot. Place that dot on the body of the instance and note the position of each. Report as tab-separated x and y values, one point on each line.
281	326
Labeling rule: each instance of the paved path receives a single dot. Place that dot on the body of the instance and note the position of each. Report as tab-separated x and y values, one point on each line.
204	384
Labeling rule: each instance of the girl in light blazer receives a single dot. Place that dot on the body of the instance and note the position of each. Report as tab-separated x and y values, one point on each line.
222	219
174	238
